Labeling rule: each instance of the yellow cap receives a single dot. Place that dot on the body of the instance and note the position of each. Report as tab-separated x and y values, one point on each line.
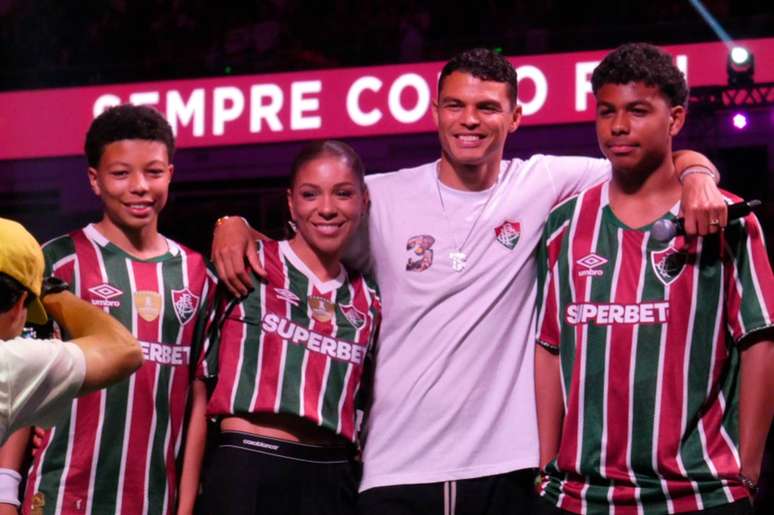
22	259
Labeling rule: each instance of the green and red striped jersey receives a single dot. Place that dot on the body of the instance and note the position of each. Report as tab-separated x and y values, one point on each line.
115	452
647	334
294	345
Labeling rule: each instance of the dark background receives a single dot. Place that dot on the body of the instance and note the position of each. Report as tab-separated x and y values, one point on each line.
54	43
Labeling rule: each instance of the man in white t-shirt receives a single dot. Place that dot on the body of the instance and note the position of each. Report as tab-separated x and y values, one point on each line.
39	378
451	426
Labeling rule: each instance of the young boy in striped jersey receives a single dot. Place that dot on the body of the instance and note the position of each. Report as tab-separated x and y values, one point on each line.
116	450
654	366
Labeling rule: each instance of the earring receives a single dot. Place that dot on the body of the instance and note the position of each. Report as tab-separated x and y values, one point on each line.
293	226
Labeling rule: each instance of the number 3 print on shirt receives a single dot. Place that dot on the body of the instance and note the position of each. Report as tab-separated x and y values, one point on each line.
420	254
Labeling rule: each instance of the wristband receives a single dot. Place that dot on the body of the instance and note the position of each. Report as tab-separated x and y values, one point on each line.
222	219
698	169
748	483
9	486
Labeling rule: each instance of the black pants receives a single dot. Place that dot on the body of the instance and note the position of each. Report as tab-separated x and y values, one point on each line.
511	493
252	475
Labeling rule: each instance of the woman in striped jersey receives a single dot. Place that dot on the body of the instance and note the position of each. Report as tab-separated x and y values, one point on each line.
286	360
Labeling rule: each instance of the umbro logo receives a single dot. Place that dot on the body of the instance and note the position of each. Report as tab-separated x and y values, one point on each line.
591	263
105	291
287	295
104	294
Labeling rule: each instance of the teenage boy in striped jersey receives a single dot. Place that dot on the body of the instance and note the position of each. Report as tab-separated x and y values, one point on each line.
655	361
116	451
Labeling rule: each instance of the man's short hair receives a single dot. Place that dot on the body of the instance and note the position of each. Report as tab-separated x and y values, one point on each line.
11	291
483	64
127	122
646	63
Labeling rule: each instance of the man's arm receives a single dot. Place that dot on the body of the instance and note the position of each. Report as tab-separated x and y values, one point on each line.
11	460
702	203
550	408
194	449
548	384
756	403
701	200
233	242
111	353
749	310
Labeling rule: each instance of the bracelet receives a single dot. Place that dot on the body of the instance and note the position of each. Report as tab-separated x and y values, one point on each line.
222	219
9	486
748	483
698	169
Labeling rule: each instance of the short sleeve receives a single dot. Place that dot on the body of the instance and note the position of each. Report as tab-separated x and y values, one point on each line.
206	317
38	380
223	302
207	364
548	329
750	284
572	174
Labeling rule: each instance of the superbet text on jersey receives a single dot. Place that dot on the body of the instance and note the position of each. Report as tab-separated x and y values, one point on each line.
294	345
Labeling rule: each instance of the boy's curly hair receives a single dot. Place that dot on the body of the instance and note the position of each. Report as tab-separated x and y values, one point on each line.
127	121
642	62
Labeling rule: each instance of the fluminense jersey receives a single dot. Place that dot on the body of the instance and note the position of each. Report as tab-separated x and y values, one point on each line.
647	334
294	345
115	452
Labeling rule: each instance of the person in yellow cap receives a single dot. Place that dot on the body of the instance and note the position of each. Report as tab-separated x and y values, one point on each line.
39	378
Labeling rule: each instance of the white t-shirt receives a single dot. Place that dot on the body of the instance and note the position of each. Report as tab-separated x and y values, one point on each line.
454	390
38	379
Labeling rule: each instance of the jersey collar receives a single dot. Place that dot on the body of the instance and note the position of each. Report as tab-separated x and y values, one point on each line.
97	237
321	286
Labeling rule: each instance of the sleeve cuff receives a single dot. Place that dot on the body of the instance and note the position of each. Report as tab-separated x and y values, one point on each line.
550	347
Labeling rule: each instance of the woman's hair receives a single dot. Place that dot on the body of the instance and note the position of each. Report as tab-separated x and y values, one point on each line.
329	148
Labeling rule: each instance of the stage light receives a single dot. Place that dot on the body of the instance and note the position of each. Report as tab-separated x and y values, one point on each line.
740	67
739	120
739	55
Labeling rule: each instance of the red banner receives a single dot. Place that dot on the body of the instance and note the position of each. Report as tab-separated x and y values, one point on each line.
553	89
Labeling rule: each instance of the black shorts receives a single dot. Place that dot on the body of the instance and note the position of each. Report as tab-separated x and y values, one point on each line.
253	475
509	493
